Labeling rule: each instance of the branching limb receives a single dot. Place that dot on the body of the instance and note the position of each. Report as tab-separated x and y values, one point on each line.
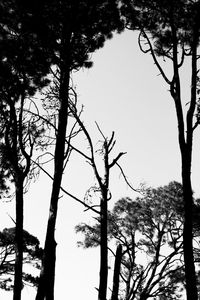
65	191
126	180
151	50
114	162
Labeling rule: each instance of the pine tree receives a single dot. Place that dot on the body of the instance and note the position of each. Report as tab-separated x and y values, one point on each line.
169	31
23	69
69	31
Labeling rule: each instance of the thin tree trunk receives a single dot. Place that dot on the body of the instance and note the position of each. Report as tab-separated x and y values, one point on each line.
18	240
104	187
103	276
186	153
186	146
190	274
116	275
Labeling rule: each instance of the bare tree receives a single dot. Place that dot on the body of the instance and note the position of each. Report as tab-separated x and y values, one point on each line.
105	195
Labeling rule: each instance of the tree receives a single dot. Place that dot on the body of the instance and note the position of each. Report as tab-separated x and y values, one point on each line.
150	231
23	69
70	32
102	189
105	196
169	31
32	256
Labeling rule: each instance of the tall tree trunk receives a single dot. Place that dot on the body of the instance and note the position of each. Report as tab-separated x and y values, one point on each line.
18	239
103	276
186	147
116	275
190	274
47	276
186	154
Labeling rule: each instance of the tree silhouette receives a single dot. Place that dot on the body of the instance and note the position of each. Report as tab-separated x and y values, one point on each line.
101	188
23	69
150	231
69	32
32	257
169	31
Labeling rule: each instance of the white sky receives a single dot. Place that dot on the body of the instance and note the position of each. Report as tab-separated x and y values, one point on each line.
124	93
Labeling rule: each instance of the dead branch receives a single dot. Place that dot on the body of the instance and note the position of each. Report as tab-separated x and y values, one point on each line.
65	191
126	180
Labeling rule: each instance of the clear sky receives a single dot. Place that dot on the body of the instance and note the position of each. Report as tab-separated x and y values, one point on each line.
124	93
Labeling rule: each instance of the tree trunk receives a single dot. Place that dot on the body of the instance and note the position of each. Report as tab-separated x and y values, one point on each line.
186	147
18	239
186	155
47	275
190	274
103	251
116	276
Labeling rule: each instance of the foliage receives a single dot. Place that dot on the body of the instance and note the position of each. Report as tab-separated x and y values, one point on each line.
170	32
150	232
69	32
86	24
23	72
23	62
32	257
182	14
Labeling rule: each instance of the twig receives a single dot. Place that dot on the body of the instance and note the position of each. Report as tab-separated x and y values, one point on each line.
66	192
11	218
125	178
116	159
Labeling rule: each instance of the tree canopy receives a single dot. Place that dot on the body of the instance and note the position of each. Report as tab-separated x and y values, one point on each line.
150	230
170	31
42	44
32	257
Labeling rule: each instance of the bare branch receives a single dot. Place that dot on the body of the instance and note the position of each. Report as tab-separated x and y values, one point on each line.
92	159
91	207
11	218
114	162
100	131
65	191
182	57
111	140
151	50
126	180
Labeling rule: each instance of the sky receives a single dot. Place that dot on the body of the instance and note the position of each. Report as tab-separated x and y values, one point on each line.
123	92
